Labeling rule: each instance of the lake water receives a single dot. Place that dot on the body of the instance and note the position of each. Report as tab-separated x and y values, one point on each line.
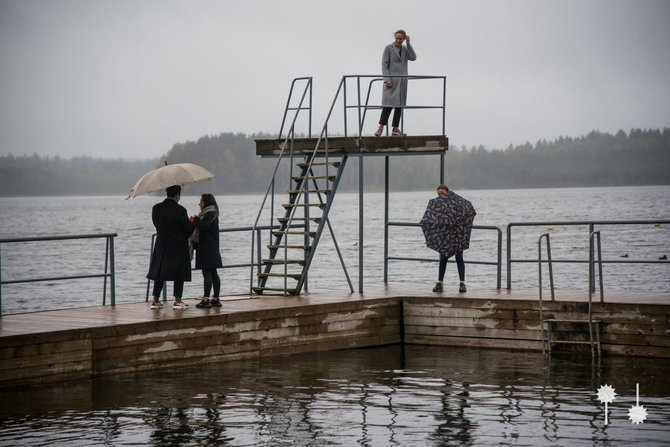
131	219
386	396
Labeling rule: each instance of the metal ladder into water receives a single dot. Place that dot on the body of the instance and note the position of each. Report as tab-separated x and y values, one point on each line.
549	323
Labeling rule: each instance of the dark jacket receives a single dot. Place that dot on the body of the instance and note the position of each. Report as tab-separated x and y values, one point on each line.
170	260
207	254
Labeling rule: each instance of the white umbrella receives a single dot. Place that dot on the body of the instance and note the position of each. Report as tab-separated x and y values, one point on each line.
170	175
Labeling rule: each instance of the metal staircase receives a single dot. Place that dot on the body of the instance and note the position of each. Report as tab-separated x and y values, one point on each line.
295	234
284	250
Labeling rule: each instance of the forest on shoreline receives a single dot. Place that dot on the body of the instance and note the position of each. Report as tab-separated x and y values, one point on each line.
639	157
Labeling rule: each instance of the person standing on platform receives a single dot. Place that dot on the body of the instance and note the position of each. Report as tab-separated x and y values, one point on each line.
443	190
208	255
170	260
394	69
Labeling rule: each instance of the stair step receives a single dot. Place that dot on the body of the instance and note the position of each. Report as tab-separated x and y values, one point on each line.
570	342
298	247
319	163
291	205
283	261
303	233
279	275
300	178
322	151
320	191
299	219
260	290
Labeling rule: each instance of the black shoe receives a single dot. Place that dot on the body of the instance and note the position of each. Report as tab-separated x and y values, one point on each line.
438	287
215	302
204	304
462	288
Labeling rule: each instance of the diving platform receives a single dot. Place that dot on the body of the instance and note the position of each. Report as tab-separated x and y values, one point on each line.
371	145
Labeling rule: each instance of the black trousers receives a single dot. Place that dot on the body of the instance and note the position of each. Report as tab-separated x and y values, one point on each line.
211	278
386	112
460	264
158	288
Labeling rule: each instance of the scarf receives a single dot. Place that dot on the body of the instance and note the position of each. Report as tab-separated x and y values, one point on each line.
195	236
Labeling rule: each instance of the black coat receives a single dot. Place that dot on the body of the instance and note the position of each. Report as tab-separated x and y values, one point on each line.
170	260
207	254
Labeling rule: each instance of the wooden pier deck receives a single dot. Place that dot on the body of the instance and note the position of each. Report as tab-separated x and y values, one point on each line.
354	145
85	342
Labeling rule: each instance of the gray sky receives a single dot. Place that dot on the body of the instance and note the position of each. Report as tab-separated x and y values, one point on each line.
131	78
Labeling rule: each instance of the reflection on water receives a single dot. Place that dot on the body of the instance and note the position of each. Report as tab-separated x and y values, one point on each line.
412	395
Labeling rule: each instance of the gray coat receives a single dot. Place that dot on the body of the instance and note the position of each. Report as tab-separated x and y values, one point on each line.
394	63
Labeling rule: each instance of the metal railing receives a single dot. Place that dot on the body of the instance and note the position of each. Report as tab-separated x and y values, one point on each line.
257	239
497	263
109	263
591	225
376	78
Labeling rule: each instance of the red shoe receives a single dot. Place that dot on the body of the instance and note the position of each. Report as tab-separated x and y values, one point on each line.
396	133
379	131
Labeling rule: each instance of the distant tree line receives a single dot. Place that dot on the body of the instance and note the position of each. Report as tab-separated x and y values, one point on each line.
640	157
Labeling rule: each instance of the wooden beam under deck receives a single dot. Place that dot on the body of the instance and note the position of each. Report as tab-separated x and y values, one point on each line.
85	342
355	145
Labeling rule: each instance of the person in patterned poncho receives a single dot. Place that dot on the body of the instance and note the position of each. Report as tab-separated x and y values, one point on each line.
447	225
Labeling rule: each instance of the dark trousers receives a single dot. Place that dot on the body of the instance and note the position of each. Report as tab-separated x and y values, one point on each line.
178	289
386	112
460	264
211	279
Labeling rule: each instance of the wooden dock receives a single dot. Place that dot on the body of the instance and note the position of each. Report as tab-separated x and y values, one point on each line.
84	342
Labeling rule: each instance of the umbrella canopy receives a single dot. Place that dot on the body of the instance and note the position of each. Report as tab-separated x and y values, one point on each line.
447	224
170	175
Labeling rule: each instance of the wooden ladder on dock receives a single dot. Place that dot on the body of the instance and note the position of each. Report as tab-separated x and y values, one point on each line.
552	323
301	212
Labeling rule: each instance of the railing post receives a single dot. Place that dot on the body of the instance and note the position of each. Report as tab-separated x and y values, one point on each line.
499	268
112	271
509	256
0	279
360	224
104	281
592	285
386	219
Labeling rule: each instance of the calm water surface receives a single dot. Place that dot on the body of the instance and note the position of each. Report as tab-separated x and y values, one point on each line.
388	396
131	219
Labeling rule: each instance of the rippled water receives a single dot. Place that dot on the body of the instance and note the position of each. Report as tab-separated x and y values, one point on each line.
388	396
131	219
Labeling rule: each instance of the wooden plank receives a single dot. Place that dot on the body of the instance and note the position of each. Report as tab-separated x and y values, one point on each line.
474	342
389	145
201	340
473	332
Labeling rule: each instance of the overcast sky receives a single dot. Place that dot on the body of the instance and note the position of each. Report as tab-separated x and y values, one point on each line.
131	78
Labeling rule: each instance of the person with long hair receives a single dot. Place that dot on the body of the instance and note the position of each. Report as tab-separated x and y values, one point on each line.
207	254
394	90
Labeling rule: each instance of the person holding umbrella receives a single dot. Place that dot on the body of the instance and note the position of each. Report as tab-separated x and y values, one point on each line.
447	225
170	260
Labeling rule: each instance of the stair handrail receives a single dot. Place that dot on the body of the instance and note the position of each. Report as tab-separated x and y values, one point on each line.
551	280
290	136
304	182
